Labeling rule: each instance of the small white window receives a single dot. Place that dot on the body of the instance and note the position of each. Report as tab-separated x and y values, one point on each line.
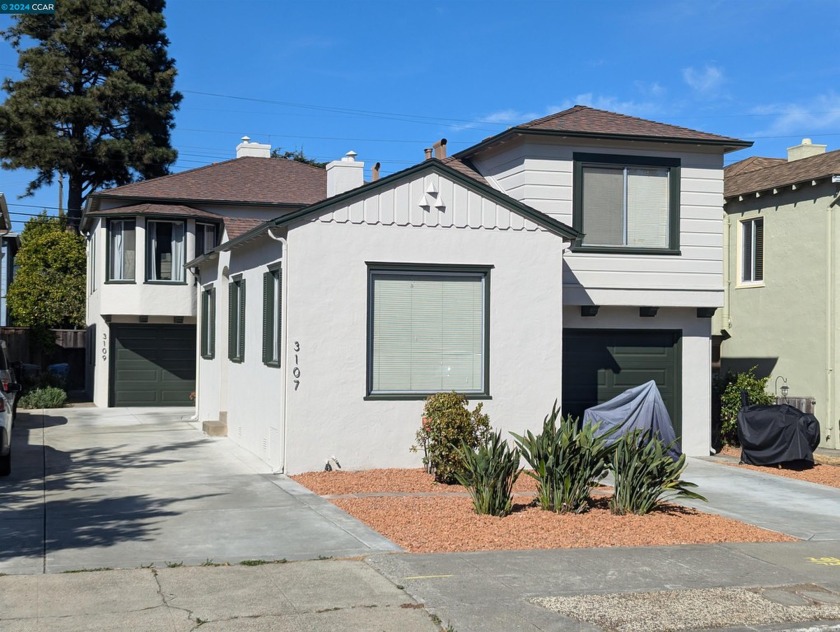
752	250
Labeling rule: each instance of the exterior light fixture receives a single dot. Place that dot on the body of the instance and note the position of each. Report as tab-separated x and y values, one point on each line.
785	388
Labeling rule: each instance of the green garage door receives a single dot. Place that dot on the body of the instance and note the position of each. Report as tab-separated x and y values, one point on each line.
152	365
600	364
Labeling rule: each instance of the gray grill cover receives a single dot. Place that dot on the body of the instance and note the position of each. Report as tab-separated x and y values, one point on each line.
642	408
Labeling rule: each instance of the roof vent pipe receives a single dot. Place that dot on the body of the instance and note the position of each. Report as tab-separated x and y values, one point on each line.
374	173
428	152
440	149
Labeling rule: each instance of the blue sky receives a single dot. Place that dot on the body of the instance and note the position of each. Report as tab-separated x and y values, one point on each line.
387	79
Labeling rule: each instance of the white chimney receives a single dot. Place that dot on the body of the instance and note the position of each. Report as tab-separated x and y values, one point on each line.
257	150
344	174
805	150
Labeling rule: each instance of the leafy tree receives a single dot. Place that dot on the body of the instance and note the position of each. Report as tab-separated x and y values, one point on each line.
297	155
96	100
48	290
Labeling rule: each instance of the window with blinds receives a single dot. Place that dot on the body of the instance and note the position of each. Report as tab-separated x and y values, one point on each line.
752	250
427	332
626	202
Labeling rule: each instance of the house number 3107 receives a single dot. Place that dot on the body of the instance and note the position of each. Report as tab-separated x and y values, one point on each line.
296	368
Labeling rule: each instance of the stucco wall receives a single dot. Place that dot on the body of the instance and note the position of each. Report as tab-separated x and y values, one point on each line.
540	173
327	316
785	325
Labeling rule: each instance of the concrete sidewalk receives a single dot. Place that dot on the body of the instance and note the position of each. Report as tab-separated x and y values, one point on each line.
317	596
125	488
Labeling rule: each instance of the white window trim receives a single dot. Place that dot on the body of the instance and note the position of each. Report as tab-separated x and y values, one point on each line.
740	282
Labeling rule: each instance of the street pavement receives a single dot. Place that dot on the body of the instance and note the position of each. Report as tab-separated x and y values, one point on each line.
144	492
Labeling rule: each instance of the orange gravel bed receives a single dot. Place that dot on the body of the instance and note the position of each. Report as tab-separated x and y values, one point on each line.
826	471
445	521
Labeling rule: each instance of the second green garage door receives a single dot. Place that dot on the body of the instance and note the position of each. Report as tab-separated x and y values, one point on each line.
600	364
152	365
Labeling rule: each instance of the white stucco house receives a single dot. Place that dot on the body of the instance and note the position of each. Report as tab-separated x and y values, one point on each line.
568	258
141	303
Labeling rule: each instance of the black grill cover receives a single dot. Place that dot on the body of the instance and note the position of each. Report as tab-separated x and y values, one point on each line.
777	434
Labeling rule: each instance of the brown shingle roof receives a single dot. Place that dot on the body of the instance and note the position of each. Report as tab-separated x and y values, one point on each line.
584	121
249	179
783	174
236	226
753	163
465	167
176	210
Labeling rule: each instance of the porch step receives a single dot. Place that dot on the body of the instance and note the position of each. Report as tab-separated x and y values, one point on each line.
214	428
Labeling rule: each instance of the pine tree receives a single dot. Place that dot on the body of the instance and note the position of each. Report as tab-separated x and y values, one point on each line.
96	100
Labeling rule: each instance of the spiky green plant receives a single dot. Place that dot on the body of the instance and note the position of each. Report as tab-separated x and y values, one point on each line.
489	473
567	461
645	475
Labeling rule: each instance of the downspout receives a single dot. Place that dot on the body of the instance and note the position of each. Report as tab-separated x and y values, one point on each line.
831	318
285	364
197	285
727	274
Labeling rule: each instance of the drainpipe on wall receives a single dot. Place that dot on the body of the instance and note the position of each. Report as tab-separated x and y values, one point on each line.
285	373
727	275
831	318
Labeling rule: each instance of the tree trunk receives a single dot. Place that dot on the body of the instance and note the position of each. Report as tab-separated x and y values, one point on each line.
74	201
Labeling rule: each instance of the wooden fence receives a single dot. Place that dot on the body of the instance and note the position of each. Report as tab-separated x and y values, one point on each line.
70	349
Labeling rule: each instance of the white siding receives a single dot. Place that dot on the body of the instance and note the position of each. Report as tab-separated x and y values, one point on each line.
540	174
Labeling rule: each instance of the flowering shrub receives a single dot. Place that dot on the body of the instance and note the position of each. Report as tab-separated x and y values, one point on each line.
447	425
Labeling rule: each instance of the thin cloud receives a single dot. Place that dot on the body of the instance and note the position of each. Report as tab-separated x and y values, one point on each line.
650	89
705	82
511	117
796	119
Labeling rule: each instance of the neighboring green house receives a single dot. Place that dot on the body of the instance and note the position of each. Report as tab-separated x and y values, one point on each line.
782	267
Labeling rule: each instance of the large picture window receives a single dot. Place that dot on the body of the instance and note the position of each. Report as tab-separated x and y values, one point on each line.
428	331
165	251
752	251
626	203
121	250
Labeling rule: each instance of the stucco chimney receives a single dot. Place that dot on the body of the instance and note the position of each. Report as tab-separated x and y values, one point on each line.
344	174
257	150
805	150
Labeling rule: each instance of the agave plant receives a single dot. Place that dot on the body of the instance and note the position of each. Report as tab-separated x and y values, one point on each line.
567	461
645	475
489	472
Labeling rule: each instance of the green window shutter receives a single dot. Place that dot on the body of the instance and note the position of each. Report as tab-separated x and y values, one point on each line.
212	325
278	326
268	317
204	308
242	320
233	313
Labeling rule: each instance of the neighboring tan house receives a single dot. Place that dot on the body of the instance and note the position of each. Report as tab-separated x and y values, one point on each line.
783	266
141	310
569	258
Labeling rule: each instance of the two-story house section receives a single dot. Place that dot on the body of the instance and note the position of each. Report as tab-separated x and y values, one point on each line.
641	286
141	304
782	269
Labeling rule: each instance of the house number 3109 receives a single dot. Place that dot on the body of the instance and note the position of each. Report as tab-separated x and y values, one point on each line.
296	368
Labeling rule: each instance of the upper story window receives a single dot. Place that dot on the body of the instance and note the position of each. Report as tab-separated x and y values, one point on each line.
627	203
752	250
205	238
165	251
121	250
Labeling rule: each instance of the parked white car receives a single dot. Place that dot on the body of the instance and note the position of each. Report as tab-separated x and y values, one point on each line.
9	391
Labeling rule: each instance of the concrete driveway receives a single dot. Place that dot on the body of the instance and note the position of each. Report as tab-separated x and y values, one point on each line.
125	488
